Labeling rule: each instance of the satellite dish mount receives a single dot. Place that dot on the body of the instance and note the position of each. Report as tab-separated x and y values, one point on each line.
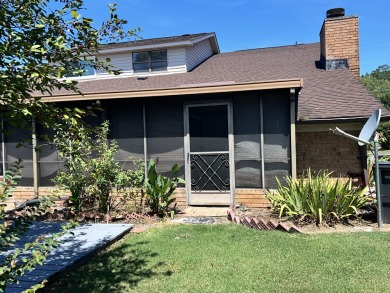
366	136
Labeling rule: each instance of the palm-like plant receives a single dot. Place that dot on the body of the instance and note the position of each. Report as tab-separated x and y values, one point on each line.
318	197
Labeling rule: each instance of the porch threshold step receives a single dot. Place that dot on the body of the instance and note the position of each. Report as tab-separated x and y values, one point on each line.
210	199
205	212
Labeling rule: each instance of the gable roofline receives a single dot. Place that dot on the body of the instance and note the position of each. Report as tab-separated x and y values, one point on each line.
184	89
159	43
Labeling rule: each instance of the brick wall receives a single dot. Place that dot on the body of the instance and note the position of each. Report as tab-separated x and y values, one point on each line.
251	198
22	193
340	40
326	151
181	198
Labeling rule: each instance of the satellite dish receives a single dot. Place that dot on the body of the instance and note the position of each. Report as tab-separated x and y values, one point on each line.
370	127
364	139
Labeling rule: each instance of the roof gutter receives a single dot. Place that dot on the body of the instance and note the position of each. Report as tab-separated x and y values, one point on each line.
187	89
338	119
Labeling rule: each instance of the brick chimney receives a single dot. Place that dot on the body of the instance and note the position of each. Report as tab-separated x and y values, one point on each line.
339	39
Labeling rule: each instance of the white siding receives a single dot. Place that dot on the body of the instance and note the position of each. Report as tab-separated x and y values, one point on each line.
179	59
176	60
198	53
121	61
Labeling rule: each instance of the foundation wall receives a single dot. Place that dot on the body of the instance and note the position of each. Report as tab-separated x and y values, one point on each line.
250	198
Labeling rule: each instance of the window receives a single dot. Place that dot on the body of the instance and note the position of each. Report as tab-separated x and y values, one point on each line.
150	61
84	65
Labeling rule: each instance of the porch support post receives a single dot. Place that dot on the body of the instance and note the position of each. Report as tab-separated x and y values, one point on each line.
35	158
293	148
262	141
231	155
145	140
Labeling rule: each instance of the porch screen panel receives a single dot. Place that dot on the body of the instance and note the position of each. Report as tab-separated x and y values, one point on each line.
165	133
49	161
126	127
276	128
15	136
48	158
247	154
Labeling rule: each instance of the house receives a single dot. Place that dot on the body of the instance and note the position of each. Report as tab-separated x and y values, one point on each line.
232	121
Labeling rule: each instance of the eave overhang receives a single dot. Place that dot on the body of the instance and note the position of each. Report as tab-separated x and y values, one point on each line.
185	89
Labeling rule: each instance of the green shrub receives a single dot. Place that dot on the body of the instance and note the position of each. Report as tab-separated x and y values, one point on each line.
159	188
317	197
91	172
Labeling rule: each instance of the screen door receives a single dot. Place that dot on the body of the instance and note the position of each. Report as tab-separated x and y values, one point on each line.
208	154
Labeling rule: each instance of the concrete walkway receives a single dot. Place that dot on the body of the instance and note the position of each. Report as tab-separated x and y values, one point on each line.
87	239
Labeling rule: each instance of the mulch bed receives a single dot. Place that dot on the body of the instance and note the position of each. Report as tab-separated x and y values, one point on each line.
143	221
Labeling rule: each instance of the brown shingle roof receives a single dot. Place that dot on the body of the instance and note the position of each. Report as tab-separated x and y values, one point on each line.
326	95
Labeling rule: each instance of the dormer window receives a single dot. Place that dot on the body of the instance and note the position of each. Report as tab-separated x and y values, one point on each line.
85	69
150	61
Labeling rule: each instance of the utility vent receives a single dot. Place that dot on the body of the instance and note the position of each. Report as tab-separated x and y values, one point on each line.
335	12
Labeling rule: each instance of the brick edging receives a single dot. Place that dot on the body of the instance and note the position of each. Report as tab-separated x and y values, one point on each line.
261	224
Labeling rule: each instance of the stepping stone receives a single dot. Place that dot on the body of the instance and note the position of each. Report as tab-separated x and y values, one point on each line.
198	220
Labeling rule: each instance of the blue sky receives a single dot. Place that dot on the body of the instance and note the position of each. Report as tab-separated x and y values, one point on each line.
246	24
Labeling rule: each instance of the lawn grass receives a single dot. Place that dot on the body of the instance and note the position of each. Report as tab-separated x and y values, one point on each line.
230	258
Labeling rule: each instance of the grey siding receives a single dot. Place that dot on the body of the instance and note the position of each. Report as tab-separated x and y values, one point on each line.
198	53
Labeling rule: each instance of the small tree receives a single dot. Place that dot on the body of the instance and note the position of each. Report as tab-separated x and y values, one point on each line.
378	84
92	174
41	42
